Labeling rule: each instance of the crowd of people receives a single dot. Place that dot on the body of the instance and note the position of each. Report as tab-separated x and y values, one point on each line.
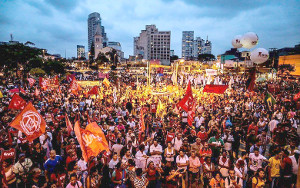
236	139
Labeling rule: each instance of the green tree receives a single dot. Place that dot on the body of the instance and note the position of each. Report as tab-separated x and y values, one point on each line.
54	67
37	72
17	54
173	57
286	67
113	56
206	57
101	58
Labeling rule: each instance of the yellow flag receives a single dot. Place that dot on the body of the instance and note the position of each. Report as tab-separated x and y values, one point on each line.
160	109
106	82
1	95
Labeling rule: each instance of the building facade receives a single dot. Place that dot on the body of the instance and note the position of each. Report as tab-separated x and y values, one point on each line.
152	44
187	45
98	41
191	48
94	21
80	51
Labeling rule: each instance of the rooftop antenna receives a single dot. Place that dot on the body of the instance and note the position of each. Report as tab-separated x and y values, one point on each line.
11	37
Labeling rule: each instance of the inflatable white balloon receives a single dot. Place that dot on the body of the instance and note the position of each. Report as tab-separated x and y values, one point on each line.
236	41
259	55
249	40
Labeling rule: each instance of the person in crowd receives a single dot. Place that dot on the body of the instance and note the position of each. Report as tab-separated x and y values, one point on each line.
233	181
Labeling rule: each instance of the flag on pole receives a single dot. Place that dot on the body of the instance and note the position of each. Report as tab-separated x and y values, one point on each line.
142	127
68	124
251	81
1	95
160	109
30	122
44	83
187	99
173	78
188	104
36	92
31	81
75	87
70	77
106	82
17	103
91	139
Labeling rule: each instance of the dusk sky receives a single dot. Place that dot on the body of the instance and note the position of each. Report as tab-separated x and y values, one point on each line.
57	25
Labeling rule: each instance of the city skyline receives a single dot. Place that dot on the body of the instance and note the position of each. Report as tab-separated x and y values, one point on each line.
60	25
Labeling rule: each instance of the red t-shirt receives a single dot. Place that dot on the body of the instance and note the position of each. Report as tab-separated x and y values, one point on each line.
170	137
202	136
204	151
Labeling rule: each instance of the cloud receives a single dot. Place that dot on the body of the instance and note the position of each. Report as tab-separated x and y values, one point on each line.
62	24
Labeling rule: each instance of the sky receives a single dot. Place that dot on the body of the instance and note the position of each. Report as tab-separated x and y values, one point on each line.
60	25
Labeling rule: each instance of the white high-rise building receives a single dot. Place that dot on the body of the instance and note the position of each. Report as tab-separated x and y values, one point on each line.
152	44
191	48
80	51
94	20
187	45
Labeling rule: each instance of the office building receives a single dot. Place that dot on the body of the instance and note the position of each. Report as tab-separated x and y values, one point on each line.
152	44
187	45
80	51
191	48
117	47
94	20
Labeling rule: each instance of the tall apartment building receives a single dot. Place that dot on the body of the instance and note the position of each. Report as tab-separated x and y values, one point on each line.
80	51
152	44
94	20
187	44
191	48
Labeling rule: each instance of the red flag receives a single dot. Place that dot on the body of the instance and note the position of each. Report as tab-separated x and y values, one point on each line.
17	90
30	122
55	80
191	113
69	124
7	154
93	91
70	77
142	127
36	92
31	81
91	139
297	96
75	87
218	89
187	99
251	80
44	83
17	103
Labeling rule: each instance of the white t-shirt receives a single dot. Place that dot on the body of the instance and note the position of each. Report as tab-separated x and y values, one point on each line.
155	148
256	161
228	145
117	148
182	160
112	163
77	185
82	164
177	143
273	124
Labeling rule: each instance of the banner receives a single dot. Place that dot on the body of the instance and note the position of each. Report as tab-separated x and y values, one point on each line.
17	103
30	122
218	89
91	139
211	72
31	81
